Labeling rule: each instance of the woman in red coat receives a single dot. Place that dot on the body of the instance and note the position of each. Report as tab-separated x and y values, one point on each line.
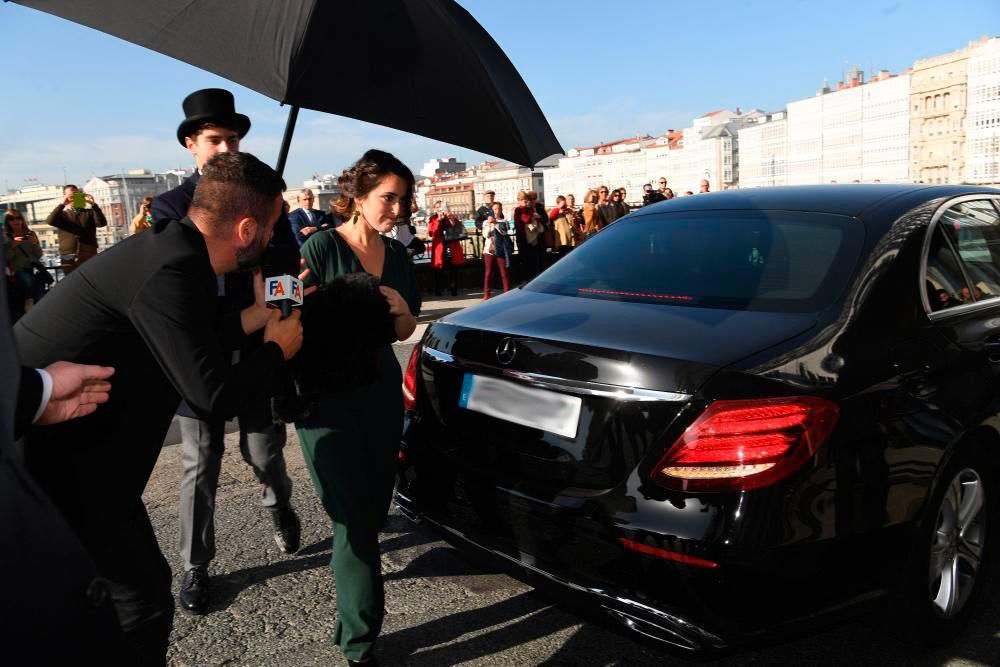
444	256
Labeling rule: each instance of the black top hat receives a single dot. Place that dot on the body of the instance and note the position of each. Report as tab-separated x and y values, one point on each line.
211	104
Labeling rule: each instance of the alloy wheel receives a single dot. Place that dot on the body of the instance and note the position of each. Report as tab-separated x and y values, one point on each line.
957	543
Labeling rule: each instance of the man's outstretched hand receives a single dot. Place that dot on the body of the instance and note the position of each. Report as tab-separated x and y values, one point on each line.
77	390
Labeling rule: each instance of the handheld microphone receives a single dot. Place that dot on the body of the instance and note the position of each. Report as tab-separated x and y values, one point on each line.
284	292
288	405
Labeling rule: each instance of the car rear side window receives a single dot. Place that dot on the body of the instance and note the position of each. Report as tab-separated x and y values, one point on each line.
744	260
944	282
973	227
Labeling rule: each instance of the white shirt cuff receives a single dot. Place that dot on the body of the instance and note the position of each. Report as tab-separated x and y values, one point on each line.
46	393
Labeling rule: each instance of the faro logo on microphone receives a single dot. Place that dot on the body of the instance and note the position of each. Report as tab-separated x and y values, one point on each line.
280	288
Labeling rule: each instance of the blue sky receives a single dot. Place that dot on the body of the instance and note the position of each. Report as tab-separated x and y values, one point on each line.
85	103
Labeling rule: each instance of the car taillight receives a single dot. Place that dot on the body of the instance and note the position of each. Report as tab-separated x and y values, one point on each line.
410	380
746	444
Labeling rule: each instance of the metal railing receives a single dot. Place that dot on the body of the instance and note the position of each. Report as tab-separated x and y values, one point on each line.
472	247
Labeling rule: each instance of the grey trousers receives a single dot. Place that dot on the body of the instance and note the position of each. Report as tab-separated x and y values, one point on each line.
202	444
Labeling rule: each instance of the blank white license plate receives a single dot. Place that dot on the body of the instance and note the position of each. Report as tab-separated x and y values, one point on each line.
527	406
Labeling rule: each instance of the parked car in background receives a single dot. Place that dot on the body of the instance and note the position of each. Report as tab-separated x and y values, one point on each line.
731	414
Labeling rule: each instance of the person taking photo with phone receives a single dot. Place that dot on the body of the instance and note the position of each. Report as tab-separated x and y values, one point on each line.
143	220
445	231
77	218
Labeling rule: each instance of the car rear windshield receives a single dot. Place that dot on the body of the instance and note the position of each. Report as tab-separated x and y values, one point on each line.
775	261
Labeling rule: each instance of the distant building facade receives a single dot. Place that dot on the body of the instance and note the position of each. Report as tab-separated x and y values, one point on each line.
764	151
982	144
938	96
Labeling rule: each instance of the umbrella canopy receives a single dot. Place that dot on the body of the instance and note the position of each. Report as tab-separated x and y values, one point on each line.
422	66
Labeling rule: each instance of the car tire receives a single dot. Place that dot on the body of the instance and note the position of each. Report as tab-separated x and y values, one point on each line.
953	558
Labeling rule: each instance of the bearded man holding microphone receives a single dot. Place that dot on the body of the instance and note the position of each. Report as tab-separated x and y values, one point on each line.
148	308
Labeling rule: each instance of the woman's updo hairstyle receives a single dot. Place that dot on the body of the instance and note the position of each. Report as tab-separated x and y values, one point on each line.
365	175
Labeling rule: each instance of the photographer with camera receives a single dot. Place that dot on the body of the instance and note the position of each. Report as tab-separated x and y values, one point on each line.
651	196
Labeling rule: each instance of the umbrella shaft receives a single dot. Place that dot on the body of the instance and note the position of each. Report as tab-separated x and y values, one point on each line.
286	141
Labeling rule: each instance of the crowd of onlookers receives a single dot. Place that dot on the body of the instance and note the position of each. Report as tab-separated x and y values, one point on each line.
539	236
523	244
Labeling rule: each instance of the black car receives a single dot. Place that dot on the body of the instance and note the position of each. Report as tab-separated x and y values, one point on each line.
729	414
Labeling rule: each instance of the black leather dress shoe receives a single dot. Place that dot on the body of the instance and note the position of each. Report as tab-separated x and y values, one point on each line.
194	590
287	529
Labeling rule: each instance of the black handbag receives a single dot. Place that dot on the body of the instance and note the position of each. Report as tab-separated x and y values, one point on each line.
454	233
43	274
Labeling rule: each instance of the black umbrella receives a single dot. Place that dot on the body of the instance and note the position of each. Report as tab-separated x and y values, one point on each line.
422	66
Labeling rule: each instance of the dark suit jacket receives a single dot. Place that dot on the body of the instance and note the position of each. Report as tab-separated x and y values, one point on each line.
149	307
298	219
282	257
29	397
51	573
174	204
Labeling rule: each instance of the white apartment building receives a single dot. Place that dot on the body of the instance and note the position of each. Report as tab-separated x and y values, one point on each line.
805	141
860	132
615	164
709	150
885	129
764	151
842	135
982	144
506	179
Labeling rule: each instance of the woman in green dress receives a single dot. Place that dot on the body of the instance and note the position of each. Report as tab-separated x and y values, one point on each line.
351	439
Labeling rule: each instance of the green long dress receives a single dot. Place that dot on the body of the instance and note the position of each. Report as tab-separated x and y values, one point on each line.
351	446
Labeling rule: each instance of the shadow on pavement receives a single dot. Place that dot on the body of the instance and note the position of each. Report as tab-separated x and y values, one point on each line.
536	619
227	587
318	547
441	561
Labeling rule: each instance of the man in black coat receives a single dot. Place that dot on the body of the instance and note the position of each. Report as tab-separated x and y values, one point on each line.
52	578
212	126
148	307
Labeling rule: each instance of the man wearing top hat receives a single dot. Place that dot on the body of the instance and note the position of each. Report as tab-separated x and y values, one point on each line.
213	126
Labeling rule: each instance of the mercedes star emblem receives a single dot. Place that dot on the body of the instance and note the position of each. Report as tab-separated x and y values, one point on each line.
506	351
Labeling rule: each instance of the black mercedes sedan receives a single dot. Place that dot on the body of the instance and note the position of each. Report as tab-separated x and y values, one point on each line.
732	414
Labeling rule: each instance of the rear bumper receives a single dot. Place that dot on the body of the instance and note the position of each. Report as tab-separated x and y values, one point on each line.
655	623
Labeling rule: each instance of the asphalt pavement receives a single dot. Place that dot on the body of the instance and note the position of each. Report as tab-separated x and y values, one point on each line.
269	609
